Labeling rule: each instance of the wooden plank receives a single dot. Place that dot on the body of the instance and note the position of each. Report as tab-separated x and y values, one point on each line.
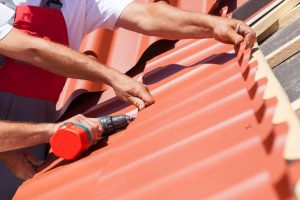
283	112
263	24
281	37
284	52
290	17
263	11
288	74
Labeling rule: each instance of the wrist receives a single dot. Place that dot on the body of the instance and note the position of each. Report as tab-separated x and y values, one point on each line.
212	24
106	75
206	25
49	130
114	78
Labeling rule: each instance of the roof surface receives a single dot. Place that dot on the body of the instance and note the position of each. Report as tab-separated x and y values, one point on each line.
209	135
204	120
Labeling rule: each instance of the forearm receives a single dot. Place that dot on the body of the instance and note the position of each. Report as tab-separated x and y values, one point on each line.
55	58
69	63
21	135
163	20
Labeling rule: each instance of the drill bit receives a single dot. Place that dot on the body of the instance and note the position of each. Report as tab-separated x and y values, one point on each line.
133	114
112	124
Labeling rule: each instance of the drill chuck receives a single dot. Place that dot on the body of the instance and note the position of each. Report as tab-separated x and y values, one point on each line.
111	124
71	140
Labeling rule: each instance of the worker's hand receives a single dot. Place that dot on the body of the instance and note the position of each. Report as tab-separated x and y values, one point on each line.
93	124
233	32
21	162
131	91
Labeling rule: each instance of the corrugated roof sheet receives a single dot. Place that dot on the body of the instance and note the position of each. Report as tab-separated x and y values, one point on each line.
209	135
201	138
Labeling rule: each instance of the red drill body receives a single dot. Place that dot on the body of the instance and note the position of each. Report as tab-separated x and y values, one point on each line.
71	140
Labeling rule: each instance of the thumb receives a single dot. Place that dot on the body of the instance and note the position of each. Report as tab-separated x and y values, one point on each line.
139	103
33	160
235	37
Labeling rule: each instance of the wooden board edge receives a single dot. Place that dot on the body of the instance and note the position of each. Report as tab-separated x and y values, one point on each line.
283	112
290	17
284	52
264	23
296	107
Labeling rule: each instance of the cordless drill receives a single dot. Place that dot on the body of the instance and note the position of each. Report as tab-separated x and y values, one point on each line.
71	139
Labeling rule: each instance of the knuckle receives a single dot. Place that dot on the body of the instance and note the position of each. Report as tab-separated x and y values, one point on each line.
75	118
80	116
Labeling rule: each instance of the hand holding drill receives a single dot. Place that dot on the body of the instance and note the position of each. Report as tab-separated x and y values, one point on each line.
72	138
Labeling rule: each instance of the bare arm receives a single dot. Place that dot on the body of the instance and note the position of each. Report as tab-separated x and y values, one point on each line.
16	136
163	20
69	63
54	58
20	135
